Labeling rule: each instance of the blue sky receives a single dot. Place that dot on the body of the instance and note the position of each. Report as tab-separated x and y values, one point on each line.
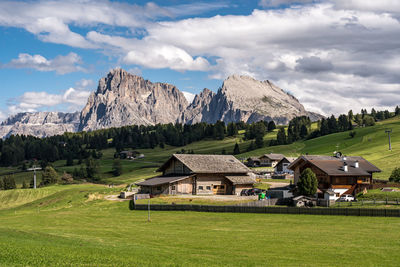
332	55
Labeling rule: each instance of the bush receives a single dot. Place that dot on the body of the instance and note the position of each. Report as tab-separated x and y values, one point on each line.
67	178
117	167
352	134
395	176
131	204
308	183
49	176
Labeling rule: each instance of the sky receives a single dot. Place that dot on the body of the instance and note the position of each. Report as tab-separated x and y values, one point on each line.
333	55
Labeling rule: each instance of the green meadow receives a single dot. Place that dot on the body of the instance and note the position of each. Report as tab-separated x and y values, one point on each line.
72	226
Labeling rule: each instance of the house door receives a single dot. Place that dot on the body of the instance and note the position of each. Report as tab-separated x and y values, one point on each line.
219	189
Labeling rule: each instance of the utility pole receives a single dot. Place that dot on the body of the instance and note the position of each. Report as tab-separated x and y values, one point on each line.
148	207
34	168
389	131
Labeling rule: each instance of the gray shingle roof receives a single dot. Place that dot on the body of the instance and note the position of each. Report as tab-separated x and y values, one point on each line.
209	163
334	166
244	179
273	156
161	180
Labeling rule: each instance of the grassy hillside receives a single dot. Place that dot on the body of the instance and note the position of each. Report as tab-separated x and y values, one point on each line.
71	225
369	142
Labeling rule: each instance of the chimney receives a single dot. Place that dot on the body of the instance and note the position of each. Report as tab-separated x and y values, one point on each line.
345	167
356	165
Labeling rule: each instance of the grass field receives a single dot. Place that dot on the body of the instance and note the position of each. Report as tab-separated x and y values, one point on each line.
71	226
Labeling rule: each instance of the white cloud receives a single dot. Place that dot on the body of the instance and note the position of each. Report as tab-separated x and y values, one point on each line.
329	54
73	99
189	96
60	64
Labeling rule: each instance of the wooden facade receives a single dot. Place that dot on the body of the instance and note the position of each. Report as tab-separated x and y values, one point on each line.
178	178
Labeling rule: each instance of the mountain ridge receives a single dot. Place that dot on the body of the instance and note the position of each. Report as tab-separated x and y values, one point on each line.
122	98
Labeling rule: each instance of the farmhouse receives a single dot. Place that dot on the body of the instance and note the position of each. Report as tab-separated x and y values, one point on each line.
283	164
253	162
270	160
200	174
338	175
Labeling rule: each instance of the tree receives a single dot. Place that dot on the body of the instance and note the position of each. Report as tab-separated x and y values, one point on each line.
281	136
223	152
92	169
397	110
67	178
308	183
236	149
117	168
368	120
350	115
24	185
70	160
271	126
232	129
9	183
395	176
49	176
303	131
251	146
259	141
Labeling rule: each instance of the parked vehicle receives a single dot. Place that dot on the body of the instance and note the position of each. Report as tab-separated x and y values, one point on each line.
346	198
245	192
254	192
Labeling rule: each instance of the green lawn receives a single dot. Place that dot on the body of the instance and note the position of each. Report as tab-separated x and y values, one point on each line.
70	226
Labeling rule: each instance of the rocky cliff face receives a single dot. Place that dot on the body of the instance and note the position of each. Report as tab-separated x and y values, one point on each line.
242	98
40	124
125	99
200	104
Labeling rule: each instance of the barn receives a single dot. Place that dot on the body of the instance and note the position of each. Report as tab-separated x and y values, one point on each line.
200	175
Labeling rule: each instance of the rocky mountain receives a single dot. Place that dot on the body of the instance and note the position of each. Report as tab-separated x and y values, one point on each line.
125	99
242	98
200	104
40	124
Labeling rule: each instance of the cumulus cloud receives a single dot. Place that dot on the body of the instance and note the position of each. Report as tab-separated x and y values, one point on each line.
333	55
60	64
72	99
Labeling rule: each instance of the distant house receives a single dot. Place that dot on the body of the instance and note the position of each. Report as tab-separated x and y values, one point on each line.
283	164
130	154
270	160
253	162
200	174
338	175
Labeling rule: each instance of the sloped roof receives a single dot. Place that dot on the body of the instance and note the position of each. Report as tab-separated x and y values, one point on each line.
334	166
161	180
244	179
273	156
209	163
289	159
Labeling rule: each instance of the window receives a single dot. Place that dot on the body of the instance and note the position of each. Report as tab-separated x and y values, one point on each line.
173	187
200	187
158	188
208	187
222	186
215	186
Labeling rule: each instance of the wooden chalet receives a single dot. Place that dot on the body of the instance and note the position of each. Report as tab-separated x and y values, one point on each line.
200	174
253	162
342	175
270	160
283	164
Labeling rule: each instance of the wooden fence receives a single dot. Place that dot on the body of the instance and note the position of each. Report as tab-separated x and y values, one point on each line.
274	210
